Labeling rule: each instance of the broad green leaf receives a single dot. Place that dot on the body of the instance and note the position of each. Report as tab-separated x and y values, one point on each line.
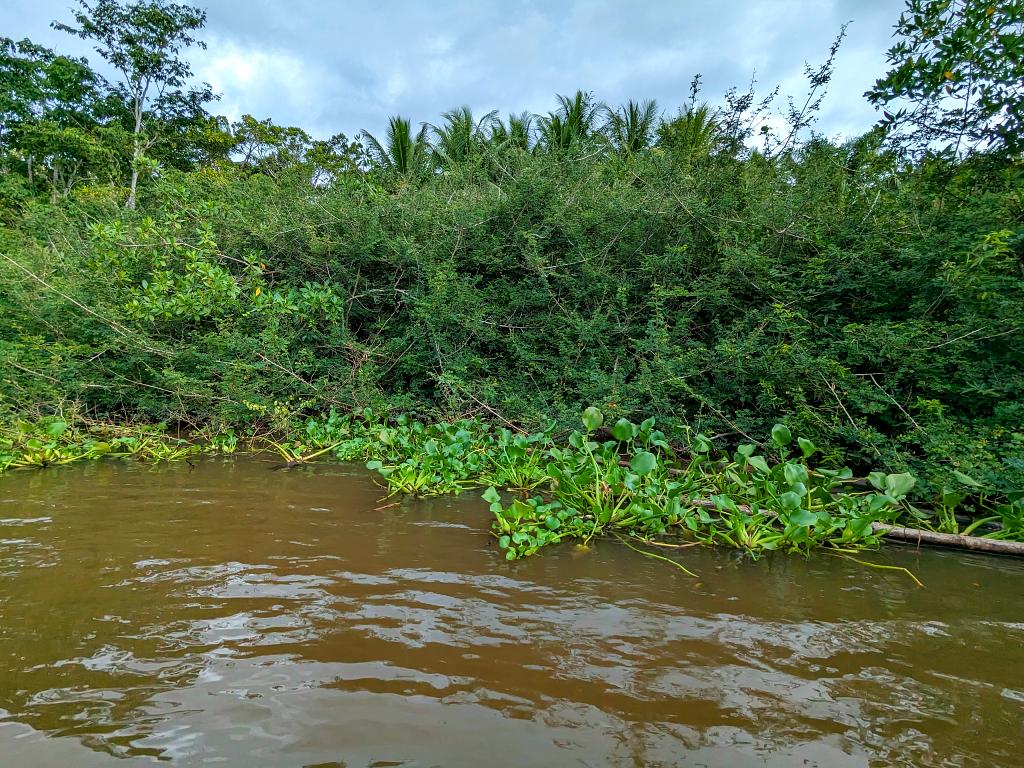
781	435
951	498
899	485
56	428
806	446
759	463
491	495
624	430
802	518
789	500
880	501
644	463
592	419
795	473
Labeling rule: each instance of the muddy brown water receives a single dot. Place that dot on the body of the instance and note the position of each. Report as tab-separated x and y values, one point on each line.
231	615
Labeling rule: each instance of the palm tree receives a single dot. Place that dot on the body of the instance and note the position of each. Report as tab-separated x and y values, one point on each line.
461	136
516	133
403	152
692	134
631	128
572	123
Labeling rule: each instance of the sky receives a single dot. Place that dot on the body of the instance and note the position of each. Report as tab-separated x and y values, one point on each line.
332	66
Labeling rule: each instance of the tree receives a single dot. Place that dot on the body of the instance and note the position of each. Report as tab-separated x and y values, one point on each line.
959	69
266	146
143	40
333	159
50	115
572	123
514	134
402	152
461	137
692	134
631	127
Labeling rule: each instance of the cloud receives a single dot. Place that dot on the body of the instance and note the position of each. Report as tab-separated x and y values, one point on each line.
258	82
329	66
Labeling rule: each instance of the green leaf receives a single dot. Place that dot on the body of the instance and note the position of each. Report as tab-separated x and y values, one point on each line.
56	428
374	465
790	500
877	479
781	435
899	485
806	446
951	498
802	518
859	527
795	473
878	502
644	463
624	430
966	479
592	419
758	463
491	495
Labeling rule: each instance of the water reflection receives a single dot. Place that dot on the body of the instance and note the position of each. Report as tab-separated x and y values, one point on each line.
236	615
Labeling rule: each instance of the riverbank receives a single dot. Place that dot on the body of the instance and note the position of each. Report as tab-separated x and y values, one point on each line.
602	480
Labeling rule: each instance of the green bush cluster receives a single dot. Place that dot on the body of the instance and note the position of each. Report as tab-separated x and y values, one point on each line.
876	311
234	278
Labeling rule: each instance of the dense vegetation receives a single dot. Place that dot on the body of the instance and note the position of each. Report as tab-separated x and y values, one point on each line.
159	266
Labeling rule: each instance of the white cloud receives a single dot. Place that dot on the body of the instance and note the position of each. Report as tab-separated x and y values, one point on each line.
329	66
255	81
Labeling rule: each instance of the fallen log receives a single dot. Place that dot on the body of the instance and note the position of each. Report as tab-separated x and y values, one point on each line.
912	535
973	543
900	533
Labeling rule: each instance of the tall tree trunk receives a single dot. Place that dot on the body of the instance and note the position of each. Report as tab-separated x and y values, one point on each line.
136	151
130	202
136	154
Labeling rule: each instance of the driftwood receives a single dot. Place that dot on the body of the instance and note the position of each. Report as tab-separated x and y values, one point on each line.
913	535
906	535
973	543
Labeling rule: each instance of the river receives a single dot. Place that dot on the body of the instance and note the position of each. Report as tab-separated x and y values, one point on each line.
227	614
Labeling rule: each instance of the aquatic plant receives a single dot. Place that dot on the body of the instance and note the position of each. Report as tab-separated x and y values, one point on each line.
53	441
633	483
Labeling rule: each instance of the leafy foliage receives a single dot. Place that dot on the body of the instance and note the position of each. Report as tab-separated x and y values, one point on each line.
517	271
959	67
